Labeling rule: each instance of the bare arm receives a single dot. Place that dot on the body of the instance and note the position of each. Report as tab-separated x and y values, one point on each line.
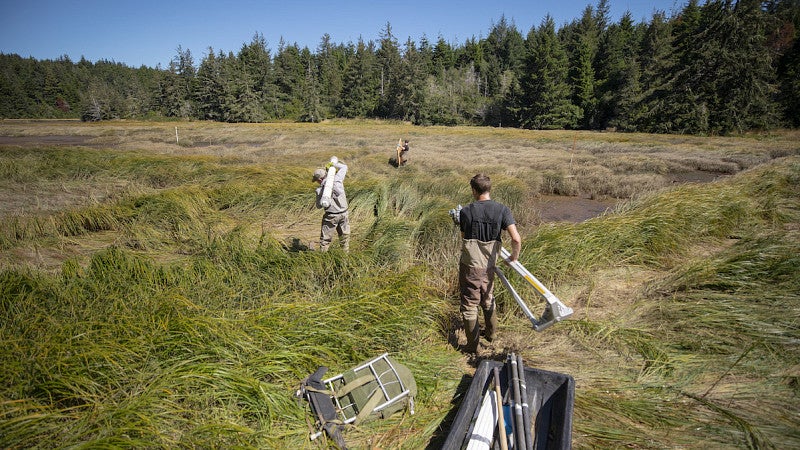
516	242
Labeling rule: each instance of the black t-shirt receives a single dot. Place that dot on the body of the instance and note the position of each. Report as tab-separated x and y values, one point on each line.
485	220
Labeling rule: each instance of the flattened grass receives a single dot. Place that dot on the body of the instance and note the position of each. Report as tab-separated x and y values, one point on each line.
204	354
717	335
194	324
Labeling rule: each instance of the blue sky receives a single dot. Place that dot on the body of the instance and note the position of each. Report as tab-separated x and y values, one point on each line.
147	32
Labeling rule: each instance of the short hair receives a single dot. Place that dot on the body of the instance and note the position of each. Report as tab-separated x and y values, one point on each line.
481	183
318	175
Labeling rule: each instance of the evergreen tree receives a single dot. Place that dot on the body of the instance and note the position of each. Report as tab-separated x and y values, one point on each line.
310	90
546	93
258	87
176	87
789	76
581	41
443	56
361	90
13	96
504	51
331	61
290	73
747	76
658	64
785	44
452	97
388	60
115	83
63	92
171	96
426	55
617	74
728	69
684	109
408	89
242	102
602	15
210	88
52	94
33	83
455	95
140	98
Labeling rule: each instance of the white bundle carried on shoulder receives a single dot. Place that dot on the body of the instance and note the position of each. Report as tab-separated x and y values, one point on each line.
327	190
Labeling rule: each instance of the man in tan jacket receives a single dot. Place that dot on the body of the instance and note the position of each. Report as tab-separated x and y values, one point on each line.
336	219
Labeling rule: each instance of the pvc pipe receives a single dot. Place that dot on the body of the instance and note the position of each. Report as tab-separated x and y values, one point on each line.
519	430
526	413
327	190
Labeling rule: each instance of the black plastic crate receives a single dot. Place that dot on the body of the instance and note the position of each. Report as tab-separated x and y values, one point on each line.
550	394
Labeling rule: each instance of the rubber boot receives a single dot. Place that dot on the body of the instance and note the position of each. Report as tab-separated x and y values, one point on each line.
473	332
490	317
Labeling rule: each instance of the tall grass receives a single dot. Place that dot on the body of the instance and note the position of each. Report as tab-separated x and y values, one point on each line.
718	334
209	351
194	325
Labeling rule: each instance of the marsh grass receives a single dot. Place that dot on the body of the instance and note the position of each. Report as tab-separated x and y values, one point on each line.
177	314
226	337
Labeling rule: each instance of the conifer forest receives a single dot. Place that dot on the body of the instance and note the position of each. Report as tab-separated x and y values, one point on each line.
713	67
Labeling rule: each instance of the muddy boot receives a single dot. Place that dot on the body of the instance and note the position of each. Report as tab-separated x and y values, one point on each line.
490	317
473	332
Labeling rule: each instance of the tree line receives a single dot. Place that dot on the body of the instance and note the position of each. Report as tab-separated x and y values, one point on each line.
721	67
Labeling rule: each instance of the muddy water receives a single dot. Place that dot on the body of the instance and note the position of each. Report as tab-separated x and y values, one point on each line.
555	208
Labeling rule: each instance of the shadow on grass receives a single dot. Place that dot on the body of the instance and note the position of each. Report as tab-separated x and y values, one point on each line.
443	430
296	245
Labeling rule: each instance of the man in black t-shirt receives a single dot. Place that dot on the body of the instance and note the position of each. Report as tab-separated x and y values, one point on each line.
482	223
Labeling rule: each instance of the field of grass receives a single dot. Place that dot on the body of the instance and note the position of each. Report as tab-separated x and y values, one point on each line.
162	292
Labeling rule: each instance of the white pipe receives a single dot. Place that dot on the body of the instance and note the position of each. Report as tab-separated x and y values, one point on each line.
327	190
